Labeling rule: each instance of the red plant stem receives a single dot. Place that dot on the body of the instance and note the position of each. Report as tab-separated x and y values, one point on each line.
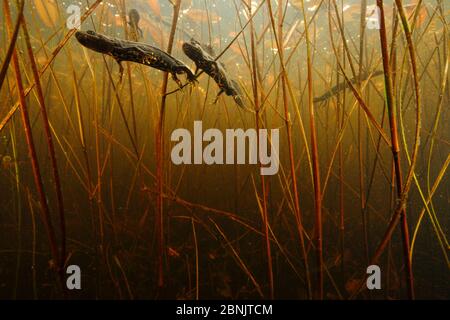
390	101
160	155
263	182
362	194
298	213
315	163
45	212
51	146
11	47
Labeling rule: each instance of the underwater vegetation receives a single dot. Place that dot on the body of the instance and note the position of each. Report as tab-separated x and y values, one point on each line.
92	91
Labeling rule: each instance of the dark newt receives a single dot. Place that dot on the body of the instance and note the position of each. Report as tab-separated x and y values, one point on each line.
344	85
134	17
203	60
123	50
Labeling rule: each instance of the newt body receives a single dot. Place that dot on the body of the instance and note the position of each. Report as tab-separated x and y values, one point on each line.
123	50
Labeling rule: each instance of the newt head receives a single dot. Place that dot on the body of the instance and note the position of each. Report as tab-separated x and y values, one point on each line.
95	41
134	17
193	50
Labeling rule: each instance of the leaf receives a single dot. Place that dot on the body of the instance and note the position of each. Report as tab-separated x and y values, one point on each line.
202	16
156	8
47	11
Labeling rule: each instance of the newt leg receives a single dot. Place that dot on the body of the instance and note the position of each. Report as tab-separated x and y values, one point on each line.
218	95
121	70
189	75
175	78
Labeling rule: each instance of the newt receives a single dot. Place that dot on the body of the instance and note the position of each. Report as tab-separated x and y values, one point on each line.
124	50
344	85
135	17
203	59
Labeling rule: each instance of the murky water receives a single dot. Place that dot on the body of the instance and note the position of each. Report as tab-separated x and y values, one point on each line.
140	226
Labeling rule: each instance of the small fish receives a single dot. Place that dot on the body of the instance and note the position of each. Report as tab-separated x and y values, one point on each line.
202	16
310	6
134	17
